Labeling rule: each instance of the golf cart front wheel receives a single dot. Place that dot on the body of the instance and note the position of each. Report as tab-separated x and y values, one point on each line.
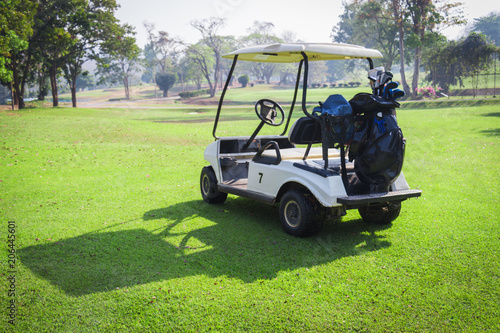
297	214
381	213
208	186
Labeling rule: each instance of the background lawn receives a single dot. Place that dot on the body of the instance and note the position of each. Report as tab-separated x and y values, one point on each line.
112	234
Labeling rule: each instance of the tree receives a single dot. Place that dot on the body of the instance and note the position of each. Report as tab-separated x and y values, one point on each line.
161	52
243	80
163	48
202	56
120	58
376	24
209	29
443	66
424	16
345	29
476	53
90	23
16	20
51	42
370	23
489	26
60	41
166	81
260	33
452	61
398	10
389	25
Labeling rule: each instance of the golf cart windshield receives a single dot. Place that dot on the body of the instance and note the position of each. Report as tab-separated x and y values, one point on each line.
292	53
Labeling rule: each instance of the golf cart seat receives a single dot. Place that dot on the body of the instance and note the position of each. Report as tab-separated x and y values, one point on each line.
307	131
304	131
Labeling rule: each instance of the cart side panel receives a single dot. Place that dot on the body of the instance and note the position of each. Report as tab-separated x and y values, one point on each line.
269	179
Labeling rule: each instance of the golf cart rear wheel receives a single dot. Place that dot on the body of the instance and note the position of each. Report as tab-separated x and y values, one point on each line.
297	214
382	213
208	187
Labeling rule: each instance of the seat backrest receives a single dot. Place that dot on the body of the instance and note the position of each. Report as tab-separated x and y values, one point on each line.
304	131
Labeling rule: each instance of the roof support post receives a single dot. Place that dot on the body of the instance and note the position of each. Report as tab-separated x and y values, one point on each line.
221	99
297	82
304	86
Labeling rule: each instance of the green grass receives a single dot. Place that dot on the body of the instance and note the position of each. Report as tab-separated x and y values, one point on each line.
285	95
112	234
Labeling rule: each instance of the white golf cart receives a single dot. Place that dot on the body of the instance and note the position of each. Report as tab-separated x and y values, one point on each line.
314	182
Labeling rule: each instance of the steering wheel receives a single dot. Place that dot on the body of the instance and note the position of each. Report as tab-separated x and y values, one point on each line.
267	111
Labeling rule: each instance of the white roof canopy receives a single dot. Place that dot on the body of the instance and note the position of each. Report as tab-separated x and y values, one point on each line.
291	52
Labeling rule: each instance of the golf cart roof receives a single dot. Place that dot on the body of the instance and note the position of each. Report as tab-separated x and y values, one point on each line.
292	52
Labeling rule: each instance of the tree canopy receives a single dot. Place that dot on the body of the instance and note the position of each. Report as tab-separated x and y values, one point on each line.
166	81
399	28
489	26
448	63
43	42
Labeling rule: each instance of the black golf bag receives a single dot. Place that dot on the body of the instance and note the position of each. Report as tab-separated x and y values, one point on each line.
377	146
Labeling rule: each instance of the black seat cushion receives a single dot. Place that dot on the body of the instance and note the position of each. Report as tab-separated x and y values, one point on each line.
304	131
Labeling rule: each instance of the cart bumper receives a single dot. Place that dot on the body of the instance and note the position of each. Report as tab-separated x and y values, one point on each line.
365	199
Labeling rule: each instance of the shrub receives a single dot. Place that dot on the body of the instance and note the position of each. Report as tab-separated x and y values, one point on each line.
165	81
194	93
352	83
325	85
332	85
428	92
243	80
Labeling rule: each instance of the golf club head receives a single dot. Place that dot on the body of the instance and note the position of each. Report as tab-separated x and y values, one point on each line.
374	75
388	88
382	80
387	78
397	93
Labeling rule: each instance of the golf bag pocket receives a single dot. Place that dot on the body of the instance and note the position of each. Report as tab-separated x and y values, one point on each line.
380	156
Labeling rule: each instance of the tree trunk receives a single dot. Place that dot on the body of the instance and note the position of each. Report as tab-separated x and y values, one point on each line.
53	86
73	94
406	87
12	95
211	88
17	92
399	21
127	90
388	65
216	75
416	72
72	87
41	85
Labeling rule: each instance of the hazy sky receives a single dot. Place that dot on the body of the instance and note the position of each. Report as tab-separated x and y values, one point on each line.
311	20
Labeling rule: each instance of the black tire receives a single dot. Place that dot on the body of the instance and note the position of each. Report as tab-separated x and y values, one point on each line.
298	214
208	187
381	214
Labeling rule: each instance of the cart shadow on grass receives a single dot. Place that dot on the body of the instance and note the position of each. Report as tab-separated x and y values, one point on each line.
219	241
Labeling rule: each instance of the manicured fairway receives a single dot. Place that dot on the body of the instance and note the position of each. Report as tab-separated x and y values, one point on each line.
112	234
